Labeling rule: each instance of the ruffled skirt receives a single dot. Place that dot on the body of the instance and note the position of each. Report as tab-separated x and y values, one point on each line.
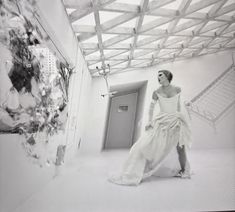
149	155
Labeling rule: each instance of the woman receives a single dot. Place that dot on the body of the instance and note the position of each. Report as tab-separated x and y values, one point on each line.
168	131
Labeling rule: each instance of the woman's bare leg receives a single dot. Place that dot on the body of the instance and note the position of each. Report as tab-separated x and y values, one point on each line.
182	156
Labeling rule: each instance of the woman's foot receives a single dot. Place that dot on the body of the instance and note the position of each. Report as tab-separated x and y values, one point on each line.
183	174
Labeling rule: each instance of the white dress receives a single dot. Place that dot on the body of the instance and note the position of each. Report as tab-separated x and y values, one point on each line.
149	153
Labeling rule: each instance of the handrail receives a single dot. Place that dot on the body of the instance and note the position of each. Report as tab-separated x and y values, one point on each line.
213	83
222	108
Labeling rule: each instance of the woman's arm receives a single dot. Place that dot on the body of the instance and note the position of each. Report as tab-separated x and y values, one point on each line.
152	105
178	90
151	110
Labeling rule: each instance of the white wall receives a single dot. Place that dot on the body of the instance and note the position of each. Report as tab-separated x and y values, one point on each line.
192	75
98	113
139	112
19	178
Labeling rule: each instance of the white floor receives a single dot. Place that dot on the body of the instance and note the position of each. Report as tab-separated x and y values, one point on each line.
82	186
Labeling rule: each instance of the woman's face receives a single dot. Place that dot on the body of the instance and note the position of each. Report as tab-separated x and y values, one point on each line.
162	77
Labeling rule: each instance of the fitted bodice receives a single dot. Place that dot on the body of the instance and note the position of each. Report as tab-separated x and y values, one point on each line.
169	104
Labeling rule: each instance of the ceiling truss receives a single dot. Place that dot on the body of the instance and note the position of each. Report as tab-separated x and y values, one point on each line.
163	30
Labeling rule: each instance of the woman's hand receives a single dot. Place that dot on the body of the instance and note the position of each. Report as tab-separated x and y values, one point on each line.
149	126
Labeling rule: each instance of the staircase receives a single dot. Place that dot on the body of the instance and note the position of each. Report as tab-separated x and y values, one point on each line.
216	99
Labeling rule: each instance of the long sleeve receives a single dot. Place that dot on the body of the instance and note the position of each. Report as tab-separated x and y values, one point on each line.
152	106
179	104
151	109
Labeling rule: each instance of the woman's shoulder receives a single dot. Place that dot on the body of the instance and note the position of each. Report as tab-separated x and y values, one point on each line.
177	89
155	96
157	91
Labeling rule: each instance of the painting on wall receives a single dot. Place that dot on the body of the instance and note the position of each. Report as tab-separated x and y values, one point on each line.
33	82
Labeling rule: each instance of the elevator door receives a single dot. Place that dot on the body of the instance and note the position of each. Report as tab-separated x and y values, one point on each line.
121	121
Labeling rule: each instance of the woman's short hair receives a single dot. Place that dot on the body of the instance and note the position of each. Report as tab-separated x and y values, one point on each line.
168	74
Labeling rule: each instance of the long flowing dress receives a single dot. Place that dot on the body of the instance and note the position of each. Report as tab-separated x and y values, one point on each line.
147	155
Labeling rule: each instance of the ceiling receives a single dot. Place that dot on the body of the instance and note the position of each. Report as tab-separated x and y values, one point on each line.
133	34
134	86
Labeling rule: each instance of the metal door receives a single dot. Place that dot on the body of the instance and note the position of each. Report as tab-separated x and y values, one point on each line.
121	121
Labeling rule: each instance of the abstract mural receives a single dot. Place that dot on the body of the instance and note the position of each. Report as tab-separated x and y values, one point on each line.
33	82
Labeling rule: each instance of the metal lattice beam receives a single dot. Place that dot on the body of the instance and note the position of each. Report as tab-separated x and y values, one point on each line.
161	32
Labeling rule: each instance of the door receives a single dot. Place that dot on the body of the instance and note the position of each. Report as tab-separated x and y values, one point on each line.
121	121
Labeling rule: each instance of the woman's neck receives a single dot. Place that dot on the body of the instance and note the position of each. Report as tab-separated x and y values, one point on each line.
166	85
